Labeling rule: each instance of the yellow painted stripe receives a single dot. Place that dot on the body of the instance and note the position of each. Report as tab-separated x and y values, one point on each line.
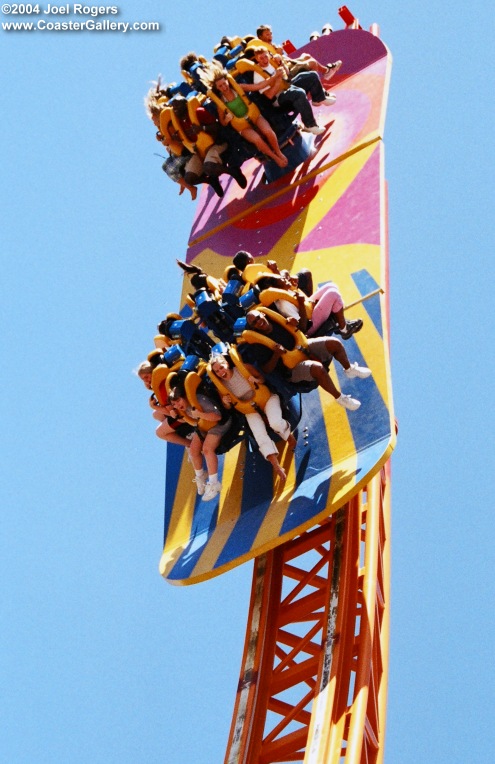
229	509
180	525
330	192
275	516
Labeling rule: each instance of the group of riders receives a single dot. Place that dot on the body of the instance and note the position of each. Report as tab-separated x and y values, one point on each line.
252	340
229	367
248	101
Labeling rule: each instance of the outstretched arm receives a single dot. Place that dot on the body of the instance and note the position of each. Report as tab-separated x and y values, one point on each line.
255	377
265	84
270	365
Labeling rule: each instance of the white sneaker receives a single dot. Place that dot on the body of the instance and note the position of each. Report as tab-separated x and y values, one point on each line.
332	69
200	481
347	402
211	490
316	130
329	99
357	371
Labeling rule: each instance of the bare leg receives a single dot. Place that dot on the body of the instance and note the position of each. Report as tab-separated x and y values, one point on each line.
264	127
191	180
209	446
192	189
321	376
253	137
313	64
165	432
340	318
336	348
195	452
174	438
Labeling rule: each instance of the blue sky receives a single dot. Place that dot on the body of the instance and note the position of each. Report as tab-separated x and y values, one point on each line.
102	661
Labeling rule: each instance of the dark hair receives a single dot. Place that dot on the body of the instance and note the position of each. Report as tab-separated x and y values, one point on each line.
188	268
155	358
179	104
262	28
232	273
178	390
265	282
241	259
188	60
249	54
199	280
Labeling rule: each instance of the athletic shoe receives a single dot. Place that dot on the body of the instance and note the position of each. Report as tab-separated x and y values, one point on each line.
329	99
211	490
332	69
238	176
357	371
201	483
216	186
315	129
347	402
351	327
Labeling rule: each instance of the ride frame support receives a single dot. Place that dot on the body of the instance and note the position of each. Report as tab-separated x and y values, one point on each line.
313	680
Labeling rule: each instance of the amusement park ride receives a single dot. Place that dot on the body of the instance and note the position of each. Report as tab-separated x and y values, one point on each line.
313	679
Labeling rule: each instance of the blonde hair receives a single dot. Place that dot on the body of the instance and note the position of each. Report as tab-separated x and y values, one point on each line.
155	99
144	368
215	72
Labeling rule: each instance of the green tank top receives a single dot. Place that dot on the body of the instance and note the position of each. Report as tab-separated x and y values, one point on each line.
237	107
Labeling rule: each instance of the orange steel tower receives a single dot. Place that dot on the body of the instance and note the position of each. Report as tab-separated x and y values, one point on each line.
313	680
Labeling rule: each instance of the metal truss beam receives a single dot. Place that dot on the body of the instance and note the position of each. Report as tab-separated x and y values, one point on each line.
314	671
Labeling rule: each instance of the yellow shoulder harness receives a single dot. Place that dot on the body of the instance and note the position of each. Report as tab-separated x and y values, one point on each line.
290	358
238	123
269	296
203	140
261	392
191	384
159	380
174	145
